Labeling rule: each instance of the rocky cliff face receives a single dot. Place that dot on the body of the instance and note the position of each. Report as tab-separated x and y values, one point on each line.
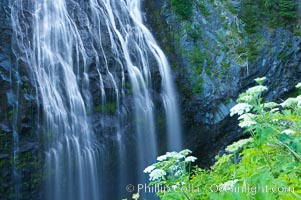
22	135
215	58
20	154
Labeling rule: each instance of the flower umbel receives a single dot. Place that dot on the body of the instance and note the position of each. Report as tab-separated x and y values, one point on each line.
288	132
185	152
298	85
229	185
251	94
270	105
257	90
161	158
240	109
174	155
149	169
136	196
237	145
290	102
190	159
247	123
157	174
261	80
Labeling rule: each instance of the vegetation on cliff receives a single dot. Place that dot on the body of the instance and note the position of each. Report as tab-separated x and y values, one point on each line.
239	29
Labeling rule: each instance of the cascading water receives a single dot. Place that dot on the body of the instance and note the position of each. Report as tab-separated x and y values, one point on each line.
168	93
63	43
57	59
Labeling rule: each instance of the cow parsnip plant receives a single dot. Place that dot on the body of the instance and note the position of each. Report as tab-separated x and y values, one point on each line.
171	173
265	166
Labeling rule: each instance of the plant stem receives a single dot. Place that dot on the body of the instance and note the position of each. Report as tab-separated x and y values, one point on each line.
266	158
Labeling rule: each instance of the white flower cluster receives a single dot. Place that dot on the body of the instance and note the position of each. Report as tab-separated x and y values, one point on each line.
246	123
240	109
288	132
149	169
252	93
174	155
157	174
237	145
154	173
260	81
173	168
247	120
162	158
247	116
298	85
185	152
170	162
270	105
229	185
298	98
245	98
290	102
190	159
136	196
274	110
257	90
178	173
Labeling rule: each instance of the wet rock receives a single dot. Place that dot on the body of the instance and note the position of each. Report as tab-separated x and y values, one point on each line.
28	146
210	44
2	156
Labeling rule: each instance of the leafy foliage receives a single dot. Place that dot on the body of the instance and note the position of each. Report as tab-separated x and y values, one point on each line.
265	166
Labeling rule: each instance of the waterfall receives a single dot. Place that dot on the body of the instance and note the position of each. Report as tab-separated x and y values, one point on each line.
168	93
57	59
66	46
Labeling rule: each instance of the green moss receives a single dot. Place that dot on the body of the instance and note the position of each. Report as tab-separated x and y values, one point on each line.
220	39
227	101
274	13
30	167
182	8
231	8
197	57
34	163
97	108
107	108
253	51
177	37
225	64
2	163
203	8
194	33
241	49
282	56
10	114
288	10
208	70
249	14
198	87
297	31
